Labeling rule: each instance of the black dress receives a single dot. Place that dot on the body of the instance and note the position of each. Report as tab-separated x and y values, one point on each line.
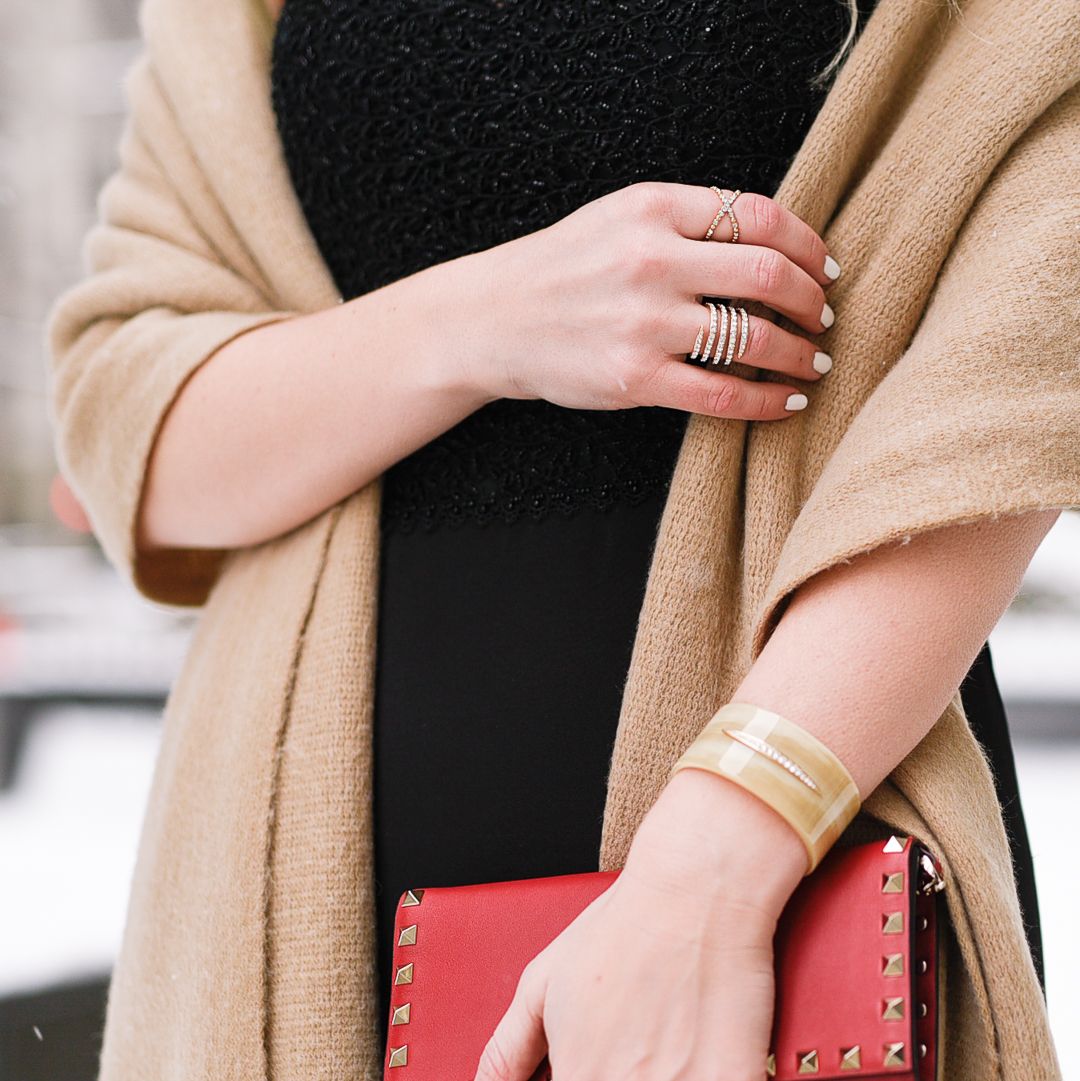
516	546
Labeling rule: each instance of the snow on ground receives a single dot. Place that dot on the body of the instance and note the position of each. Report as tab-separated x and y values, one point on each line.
1048	773
1036	646
68	833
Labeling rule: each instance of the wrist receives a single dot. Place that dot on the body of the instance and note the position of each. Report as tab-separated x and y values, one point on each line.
439	326
707	835
470	325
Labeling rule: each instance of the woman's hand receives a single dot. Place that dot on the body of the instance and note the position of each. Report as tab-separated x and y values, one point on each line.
596	312
668	975
599	310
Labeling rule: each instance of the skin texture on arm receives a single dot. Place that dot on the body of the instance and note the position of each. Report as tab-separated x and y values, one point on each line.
288	419
889	636
672	967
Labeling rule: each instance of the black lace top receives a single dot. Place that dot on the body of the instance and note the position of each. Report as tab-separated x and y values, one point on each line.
417	131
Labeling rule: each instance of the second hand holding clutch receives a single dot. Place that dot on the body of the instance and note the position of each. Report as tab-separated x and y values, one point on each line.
856	967
855	950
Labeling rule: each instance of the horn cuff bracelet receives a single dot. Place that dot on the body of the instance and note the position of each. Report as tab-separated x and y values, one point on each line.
785	767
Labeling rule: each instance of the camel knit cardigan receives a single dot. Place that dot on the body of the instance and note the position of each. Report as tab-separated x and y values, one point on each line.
944	171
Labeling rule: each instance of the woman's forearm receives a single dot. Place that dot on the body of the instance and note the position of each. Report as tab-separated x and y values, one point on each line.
866	657
292	417
869	653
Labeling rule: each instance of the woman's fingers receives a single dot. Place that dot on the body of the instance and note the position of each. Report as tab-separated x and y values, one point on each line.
763	345
675	385
591	308
756	273
518	1044
763	223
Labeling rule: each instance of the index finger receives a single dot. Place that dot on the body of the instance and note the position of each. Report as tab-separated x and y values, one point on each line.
762	222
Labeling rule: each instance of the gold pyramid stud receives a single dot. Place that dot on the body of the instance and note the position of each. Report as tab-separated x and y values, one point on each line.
399	1056
407	936
412	897
850	1058
403	975
894	1054
893	883
895	844
808	1062
892	965
401	1015
892	1009
770	1065
892	923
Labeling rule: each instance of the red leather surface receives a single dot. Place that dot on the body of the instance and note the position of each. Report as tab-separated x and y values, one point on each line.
831	948
472	943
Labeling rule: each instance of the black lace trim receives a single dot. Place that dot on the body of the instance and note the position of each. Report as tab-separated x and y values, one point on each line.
417	131
530	459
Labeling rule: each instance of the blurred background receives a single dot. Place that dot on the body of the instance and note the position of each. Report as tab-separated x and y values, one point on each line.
85	663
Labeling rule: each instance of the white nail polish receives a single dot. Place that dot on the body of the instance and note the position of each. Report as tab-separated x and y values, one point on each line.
796	402
822	363
832	268
828	317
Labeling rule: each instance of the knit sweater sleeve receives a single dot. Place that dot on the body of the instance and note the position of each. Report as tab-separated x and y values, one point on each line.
977	417
176	271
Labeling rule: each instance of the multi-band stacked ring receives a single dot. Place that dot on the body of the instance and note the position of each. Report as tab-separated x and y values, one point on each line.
726	204
727	345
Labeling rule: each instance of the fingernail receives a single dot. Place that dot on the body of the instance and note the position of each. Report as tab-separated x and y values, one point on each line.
832	268
796	402
822	363
828	317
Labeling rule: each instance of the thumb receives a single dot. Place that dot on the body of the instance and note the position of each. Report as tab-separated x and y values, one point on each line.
519	1044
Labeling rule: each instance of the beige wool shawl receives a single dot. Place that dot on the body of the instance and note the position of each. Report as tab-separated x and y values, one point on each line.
944	171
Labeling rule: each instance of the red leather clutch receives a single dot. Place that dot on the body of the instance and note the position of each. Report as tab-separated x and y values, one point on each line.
856	967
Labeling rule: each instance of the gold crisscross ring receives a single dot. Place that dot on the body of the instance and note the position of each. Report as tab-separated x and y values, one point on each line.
727	202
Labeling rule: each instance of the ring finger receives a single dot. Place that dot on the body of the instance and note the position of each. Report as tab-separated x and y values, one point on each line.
761	344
